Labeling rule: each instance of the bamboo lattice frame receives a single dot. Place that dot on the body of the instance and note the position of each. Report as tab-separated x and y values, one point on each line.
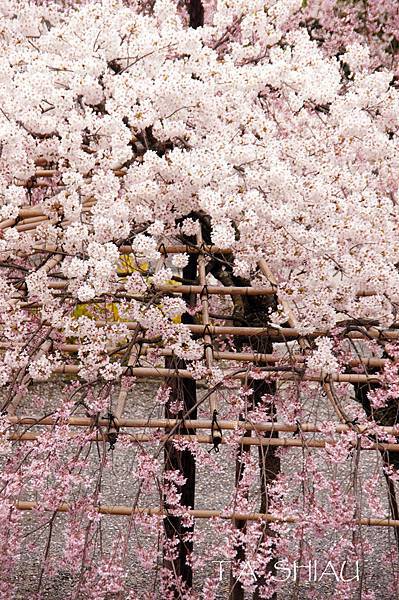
286	366
272	365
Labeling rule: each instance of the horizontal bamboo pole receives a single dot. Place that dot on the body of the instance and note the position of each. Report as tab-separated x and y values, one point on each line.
182	249
294	359
275	333
202	424
127	249
190	289
27	212
30	225
30	436
7	223
219	290
52	172
34	185
46	172
33	219
284	360
33	212
118	510
289	332
160	373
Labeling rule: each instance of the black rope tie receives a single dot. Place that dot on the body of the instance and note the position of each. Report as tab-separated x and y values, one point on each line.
162	250
190	248
202	248
128	372
216	433
298	429
204	292
112	431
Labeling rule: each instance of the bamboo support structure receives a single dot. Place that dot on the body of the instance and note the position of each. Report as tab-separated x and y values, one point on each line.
7	223
173	432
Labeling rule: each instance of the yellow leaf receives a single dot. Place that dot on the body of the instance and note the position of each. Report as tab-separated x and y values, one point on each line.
127	265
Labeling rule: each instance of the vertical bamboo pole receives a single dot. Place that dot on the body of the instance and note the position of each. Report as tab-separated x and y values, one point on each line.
213	406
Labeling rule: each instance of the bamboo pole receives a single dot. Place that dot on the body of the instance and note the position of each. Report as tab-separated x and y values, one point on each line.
214	289
33	219
113	427
127	249
119	510
202	424
141	438
194	289
32	225
52	172
46	172
30	211
272	279
27	212
294	359
29	436
275	333
7	223
160	373
187	289
240	356
205	320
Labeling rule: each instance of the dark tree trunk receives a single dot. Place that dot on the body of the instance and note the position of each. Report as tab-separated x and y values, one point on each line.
183	390
269	468
184	462
196	13
236	588
255	313
387	416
